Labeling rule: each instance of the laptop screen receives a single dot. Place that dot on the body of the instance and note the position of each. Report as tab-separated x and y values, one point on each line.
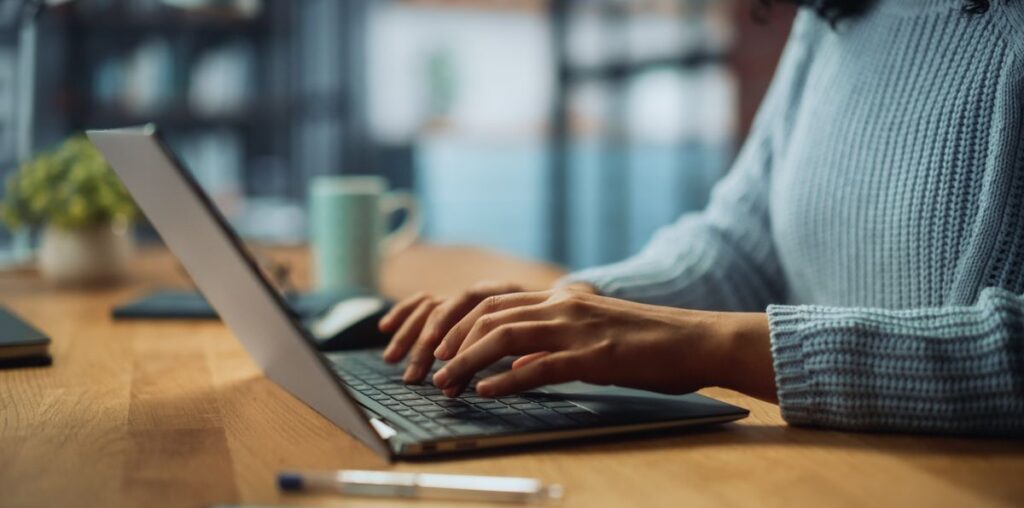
228	277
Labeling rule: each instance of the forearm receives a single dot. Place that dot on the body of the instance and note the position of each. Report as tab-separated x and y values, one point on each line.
695	263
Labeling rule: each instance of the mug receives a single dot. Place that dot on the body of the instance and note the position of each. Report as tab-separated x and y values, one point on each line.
348	229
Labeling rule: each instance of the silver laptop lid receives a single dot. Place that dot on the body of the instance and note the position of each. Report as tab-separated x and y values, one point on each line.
228	277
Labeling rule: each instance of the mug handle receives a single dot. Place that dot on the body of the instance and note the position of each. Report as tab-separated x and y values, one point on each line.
406	234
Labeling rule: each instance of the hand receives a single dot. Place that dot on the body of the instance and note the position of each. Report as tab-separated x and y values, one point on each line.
568	335
420	322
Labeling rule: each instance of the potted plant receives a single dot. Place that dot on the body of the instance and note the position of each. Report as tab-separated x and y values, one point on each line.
83	209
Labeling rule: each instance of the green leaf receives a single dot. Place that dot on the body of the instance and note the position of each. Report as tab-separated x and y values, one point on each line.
70	186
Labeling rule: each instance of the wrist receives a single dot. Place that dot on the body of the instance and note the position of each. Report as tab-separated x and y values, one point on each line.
745	355
582	287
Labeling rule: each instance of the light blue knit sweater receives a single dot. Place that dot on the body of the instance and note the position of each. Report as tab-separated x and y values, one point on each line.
877	212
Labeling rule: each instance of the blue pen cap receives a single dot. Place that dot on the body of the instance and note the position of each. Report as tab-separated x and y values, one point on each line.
289	481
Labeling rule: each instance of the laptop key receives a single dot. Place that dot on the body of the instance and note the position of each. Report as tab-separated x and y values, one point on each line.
421	405
527	405
555	404
422	389
407	396
446	421
491	405
504	411
512	400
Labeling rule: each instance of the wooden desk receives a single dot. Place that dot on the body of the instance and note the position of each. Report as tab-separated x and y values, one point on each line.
175	414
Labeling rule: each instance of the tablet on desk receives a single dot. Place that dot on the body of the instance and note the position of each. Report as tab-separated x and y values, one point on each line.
184	304
21	345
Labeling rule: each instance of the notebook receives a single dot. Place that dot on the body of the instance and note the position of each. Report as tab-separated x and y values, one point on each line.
21	345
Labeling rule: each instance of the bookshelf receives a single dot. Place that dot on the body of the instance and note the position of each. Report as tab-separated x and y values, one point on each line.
617	65
234	85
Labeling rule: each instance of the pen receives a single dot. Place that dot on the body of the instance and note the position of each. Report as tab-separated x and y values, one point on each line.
421	485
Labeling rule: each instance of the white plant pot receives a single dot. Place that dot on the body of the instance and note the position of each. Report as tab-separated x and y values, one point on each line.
88	256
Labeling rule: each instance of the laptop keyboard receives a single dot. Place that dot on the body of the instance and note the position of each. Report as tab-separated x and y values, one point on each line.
440	416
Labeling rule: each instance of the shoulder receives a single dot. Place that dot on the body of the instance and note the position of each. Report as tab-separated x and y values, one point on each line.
808	26
1012	12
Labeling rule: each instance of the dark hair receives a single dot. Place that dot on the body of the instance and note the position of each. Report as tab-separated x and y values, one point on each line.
834	10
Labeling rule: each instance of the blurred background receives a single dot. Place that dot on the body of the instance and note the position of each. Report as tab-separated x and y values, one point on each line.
551	129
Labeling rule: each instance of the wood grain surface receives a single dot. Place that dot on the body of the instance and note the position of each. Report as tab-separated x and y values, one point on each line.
154	413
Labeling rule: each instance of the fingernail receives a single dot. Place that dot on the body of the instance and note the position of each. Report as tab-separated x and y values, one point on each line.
387	352
441	352
441	378
451	392
412	373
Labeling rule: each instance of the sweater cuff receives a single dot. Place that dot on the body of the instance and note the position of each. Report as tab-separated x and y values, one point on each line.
796	395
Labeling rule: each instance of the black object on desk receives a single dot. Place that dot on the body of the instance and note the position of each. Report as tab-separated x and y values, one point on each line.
21	345
337	320
176	304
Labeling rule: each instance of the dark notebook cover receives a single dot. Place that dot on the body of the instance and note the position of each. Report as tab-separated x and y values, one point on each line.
17	335
174	304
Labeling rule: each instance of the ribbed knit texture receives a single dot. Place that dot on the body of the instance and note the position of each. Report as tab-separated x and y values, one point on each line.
876	211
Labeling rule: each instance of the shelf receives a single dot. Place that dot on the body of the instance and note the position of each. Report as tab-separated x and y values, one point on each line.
180	115
173	118
624	70
532	6
163	20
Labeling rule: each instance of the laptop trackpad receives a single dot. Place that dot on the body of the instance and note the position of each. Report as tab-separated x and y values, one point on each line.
613	401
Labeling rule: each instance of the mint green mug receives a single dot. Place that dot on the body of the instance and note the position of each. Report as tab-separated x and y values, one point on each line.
348	218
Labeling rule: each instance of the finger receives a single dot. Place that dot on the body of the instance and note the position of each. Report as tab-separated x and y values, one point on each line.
404	337
488	322
517	338
446	316
398	314
523	361
421	356
450	312
554	368
452	341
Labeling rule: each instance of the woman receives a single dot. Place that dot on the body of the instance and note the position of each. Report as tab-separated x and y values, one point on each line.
862	264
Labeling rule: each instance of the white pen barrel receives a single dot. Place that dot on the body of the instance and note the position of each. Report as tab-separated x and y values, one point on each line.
422	485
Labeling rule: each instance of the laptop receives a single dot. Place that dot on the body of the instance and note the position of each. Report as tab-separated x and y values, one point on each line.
357	390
